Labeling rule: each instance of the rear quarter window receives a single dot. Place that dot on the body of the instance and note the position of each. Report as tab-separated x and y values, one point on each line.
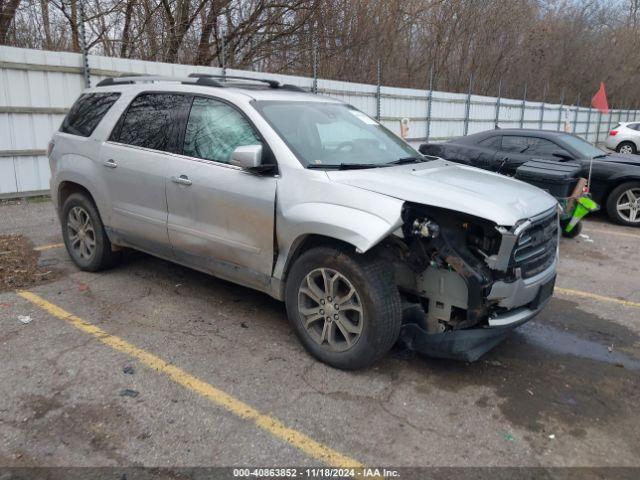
86	113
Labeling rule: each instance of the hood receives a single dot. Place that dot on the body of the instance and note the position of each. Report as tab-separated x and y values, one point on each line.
620	158
452	186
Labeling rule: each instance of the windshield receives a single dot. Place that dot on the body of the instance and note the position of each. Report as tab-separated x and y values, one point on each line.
584	148
334	135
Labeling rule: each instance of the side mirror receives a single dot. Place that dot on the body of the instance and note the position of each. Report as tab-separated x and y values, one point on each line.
247	157
562	155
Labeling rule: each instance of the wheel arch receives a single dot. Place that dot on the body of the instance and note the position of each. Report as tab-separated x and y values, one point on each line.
315	225
614	183
67	188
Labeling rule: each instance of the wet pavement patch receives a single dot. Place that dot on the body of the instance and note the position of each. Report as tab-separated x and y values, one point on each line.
565	315
19	264
554	375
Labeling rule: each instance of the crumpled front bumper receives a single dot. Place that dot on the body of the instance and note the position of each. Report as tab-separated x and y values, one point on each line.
470	344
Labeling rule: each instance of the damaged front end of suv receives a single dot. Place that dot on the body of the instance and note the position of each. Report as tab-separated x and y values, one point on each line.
466	282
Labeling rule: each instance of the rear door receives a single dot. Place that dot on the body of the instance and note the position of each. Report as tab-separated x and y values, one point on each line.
221	218
135	161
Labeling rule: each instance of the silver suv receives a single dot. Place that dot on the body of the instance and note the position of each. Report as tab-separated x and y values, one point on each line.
311	201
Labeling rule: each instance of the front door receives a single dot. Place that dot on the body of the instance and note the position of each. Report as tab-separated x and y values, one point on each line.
221	218
135	163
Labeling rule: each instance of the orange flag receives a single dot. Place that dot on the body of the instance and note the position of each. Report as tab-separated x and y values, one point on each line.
599	100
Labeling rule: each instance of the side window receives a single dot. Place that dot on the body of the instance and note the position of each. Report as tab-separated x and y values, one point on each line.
149	120
215	129
85	115
634	126
544	148
491	142
513	144
529	145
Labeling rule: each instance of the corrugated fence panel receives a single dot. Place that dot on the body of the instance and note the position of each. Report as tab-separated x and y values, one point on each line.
37	88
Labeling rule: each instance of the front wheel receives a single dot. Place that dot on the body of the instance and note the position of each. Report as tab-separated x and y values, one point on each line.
344	307
623	204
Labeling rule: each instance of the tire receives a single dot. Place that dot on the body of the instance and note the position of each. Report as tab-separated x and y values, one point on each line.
628	147
620	195
374	292
80	209
575	231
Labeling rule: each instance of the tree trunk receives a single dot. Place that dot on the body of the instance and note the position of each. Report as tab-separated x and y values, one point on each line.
203	57
7	13
75	38
46	24
124	48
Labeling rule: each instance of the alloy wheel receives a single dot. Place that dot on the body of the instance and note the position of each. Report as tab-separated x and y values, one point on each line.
330	309
81	234
626	149
628	205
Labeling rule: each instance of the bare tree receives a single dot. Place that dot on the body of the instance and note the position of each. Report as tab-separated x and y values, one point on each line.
7	13
551	46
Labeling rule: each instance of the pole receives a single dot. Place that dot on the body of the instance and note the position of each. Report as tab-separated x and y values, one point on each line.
497	119
544	97
429	102
315	69
467	109
83	47
586	135
524	102
575	118
609	120
560	109
224	56
599	125
379	80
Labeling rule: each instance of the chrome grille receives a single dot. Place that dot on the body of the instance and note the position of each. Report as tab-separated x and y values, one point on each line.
536	248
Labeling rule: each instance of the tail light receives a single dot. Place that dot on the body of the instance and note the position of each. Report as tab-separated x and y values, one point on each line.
50	148
613	133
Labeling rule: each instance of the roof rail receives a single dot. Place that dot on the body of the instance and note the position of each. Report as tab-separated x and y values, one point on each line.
271	83
210	82
204	79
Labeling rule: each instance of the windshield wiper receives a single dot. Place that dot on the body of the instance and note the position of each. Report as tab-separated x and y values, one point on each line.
405	160
343	166
601	156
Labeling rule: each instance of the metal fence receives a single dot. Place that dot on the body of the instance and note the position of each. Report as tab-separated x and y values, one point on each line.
38	87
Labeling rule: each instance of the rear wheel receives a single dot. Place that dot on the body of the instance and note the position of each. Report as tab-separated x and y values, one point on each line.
345	308
626	147
84	235
623	204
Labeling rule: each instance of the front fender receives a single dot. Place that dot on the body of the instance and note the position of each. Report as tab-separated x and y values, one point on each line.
359	228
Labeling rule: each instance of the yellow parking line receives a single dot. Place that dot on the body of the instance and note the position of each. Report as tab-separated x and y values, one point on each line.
237	407
50	246
595	296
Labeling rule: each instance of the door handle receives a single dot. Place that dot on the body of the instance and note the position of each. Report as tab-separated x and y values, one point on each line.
111	163
182	180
